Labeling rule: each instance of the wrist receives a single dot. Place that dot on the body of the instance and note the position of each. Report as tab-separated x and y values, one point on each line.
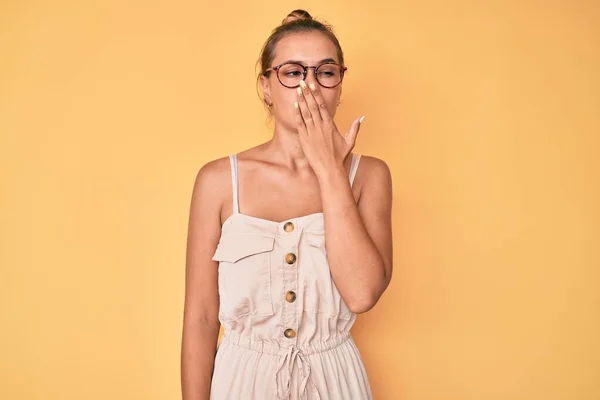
332	175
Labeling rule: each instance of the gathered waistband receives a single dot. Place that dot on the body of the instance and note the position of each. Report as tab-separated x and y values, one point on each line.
289	356
275	348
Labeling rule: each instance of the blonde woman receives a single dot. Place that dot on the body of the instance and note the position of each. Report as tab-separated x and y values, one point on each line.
287	241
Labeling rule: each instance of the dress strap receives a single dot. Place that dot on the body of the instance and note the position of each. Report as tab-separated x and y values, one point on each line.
234	182
354	167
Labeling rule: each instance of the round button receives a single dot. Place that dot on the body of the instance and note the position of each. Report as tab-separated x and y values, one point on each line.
288	227
290	297
289	333
290	258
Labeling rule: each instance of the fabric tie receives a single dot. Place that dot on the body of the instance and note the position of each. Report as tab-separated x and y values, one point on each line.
293	355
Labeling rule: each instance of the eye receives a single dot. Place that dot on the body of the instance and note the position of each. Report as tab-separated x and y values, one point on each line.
328	71
291	71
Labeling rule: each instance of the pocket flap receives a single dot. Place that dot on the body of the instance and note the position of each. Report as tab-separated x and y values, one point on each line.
234	248
316	240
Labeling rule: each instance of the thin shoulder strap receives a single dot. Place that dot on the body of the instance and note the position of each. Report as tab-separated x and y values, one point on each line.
354	167
234	182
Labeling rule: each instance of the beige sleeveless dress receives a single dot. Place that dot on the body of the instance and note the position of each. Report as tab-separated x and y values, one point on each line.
286	329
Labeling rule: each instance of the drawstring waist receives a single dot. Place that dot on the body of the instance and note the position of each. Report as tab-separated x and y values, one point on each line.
288	357
292	356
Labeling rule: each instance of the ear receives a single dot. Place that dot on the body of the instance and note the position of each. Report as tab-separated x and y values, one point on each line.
266	89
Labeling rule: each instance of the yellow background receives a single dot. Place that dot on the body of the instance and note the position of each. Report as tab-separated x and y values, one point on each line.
487	113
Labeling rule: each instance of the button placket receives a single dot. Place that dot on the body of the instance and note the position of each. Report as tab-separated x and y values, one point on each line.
289	317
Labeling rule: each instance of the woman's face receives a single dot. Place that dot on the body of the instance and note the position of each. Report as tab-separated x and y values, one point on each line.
309	49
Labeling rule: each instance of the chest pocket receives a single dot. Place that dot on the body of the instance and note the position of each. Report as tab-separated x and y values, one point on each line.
321	295
244	276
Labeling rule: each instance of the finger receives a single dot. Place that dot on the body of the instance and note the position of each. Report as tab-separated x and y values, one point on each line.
321	103
353	131
300	124
311	102
304	111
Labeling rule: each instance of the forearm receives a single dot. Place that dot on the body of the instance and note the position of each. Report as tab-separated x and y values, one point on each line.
197	359
356	265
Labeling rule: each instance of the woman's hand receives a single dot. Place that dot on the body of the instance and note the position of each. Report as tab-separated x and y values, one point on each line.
324	146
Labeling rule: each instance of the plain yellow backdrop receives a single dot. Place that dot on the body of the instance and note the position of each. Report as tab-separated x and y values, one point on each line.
486	112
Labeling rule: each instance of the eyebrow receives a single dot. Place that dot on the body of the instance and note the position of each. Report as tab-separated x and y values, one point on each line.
325	60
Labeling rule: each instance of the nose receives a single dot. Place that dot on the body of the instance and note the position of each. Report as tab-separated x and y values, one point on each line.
311	76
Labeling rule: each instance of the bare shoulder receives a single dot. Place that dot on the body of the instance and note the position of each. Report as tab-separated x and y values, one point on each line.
213	174
373	172
373	164
375	201
212	186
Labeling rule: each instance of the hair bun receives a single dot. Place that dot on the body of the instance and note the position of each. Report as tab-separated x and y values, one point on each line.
296	15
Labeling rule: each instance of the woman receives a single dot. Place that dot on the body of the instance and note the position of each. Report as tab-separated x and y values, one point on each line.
287	241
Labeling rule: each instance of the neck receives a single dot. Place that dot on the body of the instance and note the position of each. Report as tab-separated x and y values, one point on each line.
286	147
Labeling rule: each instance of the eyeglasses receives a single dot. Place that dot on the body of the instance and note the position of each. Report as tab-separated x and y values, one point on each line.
328	74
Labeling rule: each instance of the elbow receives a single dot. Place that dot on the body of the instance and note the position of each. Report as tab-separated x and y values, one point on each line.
360	306
368	299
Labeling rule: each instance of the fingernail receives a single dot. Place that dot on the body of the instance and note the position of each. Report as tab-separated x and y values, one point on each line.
361	119
312	86
303	84
299	91
295	104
